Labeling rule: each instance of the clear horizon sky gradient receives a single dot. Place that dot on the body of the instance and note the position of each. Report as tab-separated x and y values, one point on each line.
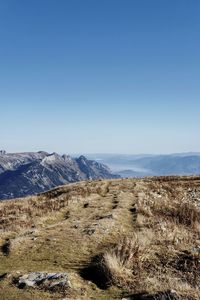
103	76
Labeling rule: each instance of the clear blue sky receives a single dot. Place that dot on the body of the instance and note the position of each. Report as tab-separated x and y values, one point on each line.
100	76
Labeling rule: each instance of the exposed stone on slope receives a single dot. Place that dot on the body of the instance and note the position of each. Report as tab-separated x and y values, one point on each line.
49	281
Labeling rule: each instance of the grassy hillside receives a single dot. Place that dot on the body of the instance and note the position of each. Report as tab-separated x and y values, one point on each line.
116	239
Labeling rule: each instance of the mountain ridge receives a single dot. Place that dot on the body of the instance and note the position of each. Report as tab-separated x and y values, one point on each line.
28	173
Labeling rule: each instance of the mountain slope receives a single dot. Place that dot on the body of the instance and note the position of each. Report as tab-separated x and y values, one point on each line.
11	161
29	173
115	239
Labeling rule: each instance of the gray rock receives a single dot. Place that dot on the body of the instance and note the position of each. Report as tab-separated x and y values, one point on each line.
43	280
55	285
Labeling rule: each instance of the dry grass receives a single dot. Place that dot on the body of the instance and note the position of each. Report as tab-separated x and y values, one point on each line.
149	243
187	213
16	214
120	262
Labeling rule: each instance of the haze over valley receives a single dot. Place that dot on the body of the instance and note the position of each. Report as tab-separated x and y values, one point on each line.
141	165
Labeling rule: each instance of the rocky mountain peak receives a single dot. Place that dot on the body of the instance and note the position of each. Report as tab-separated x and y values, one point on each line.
82	158
41	171
51	158
67	158
2	152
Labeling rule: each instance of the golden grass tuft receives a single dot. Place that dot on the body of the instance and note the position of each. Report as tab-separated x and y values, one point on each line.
122	263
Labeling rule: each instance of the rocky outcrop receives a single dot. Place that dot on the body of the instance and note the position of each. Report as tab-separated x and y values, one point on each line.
43	280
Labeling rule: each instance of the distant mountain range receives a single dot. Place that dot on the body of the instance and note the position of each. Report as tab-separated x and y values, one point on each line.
29	173
23	174
151	165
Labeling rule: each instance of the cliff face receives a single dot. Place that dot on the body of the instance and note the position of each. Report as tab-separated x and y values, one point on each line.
23	174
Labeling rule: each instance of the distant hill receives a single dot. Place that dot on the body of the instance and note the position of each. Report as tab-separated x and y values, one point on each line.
23	174
151	165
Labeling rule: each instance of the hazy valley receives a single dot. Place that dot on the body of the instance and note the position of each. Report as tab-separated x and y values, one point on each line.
142	165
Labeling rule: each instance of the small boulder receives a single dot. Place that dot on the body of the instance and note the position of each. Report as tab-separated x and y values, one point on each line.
43	280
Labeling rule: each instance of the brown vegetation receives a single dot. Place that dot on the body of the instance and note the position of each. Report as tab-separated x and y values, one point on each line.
116	238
